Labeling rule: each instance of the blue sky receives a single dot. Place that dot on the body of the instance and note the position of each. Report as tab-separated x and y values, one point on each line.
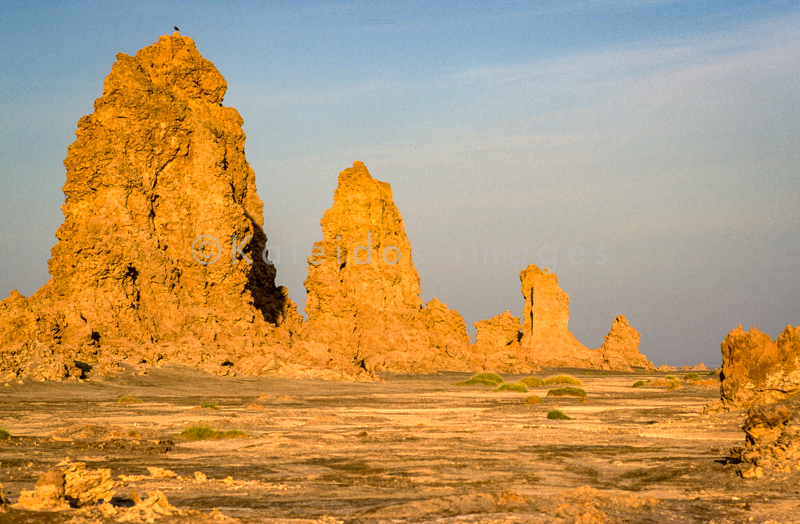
658	138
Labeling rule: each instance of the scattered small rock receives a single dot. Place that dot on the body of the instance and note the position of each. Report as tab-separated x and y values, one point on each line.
159	473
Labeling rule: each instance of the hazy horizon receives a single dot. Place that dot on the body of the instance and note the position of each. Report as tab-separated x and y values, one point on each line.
659	137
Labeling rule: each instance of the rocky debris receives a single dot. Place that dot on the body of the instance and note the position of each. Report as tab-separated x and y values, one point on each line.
83	487
620	350
155	507
159	256
160	473
363	304
497	346
757	369
47	494
68	485
772	440
664	368
589	505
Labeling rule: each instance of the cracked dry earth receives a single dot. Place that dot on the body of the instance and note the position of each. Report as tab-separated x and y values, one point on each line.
406	448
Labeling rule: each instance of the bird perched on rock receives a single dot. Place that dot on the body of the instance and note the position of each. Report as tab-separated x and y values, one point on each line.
176	28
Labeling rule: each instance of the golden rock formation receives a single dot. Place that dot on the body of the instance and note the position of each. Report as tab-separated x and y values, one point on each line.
160	254
545	339
756	368
363	301
620	350
497	346
545	333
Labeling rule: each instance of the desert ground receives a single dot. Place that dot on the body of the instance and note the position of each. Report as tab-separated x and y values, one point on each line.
402	448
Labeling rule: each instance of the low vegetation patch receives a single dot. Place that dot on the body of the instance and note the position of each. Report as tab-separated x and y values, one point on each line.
513	386
671	377
532	382
562	379
555	414
691	376
533	399
484	379
639	383
209	405
669	384
567	392
4	435
206	433
129	400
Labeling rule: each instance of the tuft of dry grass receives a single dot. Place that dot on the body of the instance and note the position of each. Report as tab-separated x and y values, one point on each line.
129	400
532	382
567	392
4	435
555	414
533	399
562	379
513	386
209	405
206	433
639	383
669	384
484	379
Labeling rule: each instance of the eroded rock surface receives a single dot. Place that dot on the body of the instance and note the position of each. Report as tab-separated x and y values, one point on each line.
757	369
547	340
160	255
497	345
620	350
363	302
772	440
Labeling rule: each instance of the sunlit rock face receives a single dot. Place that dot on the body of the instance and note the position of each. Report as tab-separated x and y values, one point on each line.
544	339
756	368
363	299
497	346
545	318
161	250
620	350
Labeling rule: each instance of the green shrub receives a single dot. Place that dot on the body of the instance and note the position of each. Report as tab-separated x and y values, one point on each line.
532	382
638	384
4	435
589	373
557	415
671	377
206	433
129	400
484	379
209	405
562	379
691	376
513	386
533	399
604	373
567	392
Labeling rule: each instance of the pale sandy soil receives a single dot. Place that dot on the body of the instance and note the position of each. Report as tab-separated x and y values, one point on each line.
403	449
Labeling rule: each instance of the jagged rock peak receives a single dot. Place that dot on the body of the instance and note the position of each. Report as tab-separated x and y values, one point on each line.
363	299
161	251
174	65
